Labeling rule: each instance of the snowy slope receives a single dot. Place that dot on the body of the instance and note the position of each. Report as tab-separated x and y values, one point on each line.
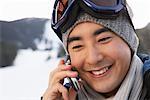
27	79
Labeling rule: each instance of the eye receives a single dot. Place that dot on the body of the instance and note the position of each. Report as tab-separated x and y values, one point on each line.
105	39
77	47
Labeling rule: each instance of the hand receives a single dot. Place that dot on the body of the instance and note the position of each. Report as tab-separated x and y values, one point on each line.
55	90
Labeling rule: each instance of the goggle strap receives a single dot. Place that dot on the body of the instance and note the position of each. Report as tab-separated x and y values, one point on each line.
62	3
72	17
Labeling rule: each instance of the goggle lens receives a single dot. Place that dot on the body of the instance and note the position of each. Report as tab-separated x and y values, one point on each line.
65	11
62	5
103	2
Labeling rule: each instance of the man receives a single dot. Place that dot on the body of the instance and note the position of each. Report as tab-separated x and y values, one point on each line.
103	49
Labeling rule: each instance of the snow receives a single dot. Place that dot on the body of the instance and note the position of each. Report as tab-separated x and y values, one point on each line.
27	79
49	39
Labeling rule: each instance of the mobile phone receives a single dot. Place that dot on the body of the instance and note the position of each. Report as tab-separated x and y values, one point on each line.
73	81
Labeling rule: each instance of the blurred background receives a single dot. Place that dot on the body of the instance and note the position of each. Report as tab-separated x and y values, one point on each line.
29	49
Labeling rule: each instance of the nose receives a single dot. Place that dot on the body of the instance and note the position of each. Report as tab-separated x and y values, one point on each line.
94	55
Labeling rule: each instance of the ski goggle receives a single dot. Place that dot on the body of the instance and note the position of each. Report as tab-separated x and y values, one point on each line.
65	12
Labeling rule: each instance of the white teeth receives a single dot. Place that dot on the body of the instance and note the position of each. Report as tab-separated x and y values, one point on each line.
100	72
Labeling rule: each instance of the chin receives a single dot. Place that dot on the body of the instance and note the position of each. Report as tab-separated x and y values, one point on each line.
106	91
103	87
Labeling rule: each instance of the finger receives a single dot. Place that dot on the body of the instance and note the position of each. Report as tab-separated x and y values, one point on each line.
62	66
61	62
57	91
59	69
64	92
65	67
72	94
61	75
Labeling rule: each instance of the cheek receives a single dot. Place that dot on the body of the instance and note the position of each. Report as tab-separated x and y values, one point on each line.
76	60
124	53
120	51
122	56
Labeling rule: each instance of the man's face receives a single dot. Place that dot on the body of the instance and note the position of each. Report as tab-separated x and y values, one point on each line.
101	58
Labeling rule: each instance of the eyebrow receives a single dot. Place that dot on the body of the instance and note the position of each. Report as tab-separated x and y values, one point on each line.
97	32
71	39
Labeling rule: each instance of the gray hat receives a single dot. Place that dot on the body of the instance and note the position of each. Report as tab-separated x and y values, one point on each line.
120	25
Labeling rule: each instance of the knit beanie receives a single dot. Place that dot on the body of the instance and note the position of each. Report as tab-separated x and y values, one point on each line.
120	25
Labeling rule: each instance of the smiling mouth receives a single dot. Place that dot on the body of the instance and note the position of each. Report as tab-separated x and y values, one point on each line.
101	72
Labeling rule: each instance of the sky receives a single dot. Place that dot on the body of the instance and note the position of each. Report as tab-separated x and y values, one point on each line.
16	9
